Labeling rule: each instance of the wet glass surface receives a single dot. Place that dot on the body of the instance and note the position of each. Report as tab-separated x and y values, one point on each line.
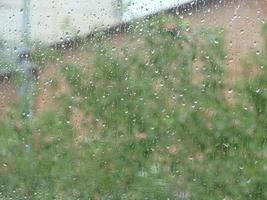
121	99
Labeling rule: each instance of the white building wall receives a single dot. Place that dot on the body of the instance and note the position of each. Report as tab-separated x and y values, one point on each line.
139	8
51	19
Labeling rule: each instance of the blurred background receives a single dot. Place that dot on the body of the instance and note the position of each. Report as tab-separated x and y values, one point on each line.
133	99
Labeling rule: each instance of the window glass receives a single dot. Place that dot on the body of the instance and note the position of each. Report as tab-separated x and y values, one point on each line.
133	99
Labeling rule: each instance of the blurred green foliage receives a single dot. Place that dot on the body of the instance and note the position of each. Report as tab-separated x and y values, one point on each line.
157	124
41	54
6	62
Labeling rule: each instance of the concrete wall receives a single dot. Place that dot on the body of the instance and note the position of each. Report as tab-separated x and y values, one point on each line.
10	21
139	8
50	20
